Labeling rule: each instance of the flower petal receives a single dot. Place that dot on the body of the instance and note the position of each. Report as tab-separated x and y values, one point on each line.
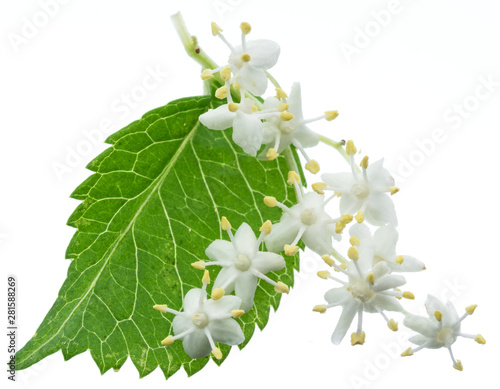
338	296
221	251
263	53
386	238
305	136
410	264
340	182
422	325
226	331
387	303
318	238
191	302
226	278
282	233
349	203
295	101
245	240
378	176
433	304
196	344
221	307
247	133
348	312
219	118
252	79
266	262
380	210
244	288
181	323
388	282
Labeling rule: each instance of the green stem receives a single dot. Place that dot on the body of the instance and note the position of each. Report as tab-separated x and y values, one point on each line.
336	145
339	257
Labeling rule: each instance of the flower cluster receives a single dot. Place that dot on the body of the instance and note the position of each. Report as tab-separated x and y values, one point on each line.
369	277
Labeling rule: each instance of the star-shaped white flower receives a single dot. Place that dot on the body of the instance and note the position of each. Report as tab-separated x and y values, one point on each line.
369	288
365	191
440	329
383	245
279	134
306	220
204	322
249	61
242	263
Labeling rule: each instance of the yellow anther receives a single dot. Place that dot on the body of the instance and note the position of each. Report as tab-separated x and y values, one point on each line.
350	148
409	295
270	201
281	287
217	353
458	365
364	162
236	85
216	30
398	290
168	341
438	315
217	293
286	116
224	223
470	309
291	250
353	253
280	94
245	57
283	107
255	108
206	277
346	219
407	353
221	93
233	107
354	241
206	74
245	28
293	177
339	227
399	259
358	338
330	115
225	73
323	274
319	308
360	217
271	154
329	261
479	339
370	278
392	325
319	187
312	166
237	313
393	190
266	227
200	265
161	307
343	266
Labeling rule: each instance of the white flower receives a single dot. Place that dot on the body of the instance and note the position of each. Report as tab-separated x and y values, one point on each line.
369	289
247	62
242	263
383	245
204	322
278	134
365	192
306	220
440	329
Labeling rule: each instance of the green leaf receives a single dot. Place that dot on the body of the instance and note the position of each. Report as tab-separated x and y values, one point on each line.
152	207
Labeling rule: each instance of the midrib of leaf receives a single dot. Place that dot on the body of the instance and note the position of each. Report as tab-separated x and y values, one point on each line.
155	185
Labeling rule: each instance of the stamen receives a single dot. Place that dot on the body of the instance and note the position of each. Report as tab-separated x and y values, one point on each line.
245	28
438	315
280	287
225	73
339	227
312	166
319	308
353	253
216	30
266	227
399	259
200	265
232	107
206	74
393	190
206	278
392	325
218	293
357	338
221	93
293	177
329	261
271	154
217	353
354	241
470	309
270	201
282	107
224	223
360	217
280	94
237	313
346	219
286	116
168	341
323	274
407	353
330	115
350	148
319	187
245	57
370	278
236	85
480	339
408	295
456	364
290	250
164	308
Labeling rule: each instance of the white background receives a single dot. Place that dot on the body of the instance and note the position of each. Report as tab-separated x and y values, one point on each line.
70	77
